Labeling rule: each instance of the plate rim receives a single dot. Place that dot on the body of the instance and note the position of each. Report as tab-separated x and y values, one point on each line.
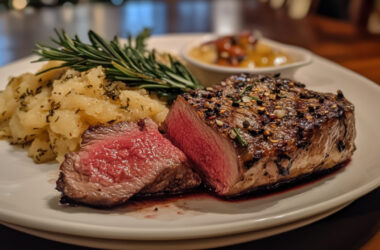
96	231
232	239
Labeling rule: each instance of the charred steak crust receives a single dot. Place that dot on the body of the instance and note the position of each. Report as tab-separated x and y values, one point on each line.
277	128
116	162
286	184
172	182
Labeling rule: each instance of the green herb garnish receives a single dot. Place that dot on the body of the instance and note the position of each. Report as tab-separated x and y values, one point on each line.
132	64
239	138
247	89
256	98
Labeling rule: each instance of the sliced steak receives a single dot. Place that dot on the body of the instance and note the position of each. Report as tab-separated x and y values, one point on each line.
253	130
116	162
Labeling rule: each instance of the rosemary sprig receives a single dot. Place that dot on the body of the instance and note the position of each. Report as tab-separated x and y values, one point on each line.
131	63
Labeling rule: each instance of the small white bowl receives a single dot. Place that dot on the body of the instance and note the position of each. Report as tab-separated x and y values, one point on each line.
209	74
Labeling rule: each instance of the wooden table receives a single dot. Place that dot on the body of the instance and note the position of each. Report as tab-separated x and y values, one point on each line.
356	226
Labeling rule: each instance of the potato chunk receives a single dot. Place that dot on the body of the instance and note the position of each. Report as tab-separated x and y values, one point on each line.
40	149
52	110
67	123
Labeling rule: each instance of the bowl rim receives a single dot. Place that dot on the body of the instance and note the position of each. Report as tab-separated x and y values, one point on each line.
291	49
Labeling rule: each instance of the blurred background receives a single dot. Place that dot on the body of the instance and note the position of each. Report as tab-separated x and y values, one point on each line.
326	27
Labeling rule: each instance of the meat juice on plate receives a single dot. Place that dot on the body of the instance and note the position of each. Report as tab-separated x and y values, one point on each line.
195	203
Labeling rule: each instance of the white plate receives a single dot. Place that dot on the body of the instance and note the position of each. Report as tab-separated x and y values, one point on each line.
203	243
28	198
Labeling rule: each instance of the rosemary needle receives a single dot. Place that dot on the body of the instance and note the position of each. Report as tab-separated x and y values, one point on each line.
131	63
239	138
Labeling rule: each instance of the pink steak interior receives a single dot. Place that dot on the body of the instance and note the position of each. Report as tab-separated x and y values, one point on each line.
213	154
127	158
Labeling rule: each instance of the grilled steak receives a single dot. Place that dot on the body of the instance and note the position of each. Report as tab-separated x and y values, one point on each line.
253	131
116	162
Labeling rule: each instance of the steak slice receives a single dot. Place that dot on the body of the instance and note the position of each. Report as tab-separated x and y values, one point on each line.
253	131
116	162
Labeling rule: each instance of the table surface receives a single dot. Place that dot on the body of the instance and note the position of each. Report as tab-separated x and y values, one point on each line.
356	226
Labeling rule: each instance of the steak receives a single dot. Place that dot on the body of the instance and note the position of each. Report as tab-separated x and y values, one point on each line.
253	131
116	162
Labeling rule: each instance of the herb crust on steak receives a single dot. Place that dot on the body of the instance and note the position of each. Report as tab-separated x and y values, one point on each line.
256	130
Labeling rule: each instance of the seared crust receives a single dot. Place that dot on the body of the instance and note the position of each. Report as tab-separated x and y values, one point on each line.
78	188
280	130
273	115
172	181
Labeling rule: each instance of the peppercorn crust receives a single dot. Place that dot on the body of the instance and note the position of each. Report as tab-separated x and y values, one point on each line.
279	129
266	115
